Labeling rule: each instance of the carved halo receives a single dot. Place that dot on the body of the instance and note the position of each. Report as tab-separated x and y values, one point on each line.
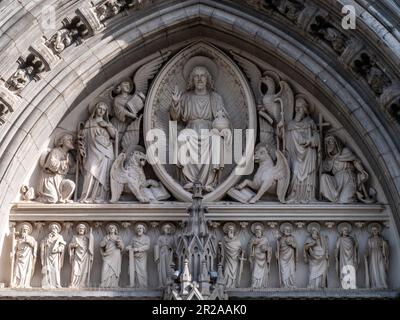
60	135
30	228
108	225
284	225
173	228
272	74
200	61
92	105
117	87
342	225
228	225
141	224
313	225
311	107
254	225
82	224
55	224
376	225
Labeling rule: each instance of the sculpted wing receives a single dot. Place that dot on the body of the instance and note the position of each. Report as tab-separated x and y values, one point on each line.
147	72
132	134
253	73
286	98
282	174
117	177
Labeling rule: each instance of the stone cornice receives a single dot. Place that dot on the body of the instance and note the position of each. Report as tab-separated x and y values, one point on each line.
176	211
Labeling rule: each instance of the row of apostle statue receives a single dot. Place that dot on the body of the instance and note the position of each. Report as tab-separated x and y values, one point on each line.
230	254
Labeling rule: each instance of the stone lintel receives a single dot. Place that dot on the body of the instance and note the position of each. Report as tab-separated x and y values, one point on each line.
176	211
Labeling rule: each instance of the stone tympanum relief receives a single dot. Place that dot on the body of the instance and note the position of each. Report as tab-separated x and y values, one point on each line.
199	109
346	257
111	248
202	97
81	251
376	258
137	250
52	257
316	254
24	252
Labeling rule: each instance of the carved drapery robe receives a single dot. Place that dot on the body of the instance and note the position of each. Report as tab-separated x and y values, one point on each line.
342	186
260	254
112	256
140	245
231	251
347	255
163	255
52	256
198	113
287	257
53	187
81	260
378	255
120	119
98	162
317	257
303	160
25	257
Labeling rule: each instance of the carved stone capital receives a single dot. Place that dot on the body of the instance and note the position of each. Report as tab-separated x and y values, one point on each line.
300	224
272	224
125	224
359	224
329	224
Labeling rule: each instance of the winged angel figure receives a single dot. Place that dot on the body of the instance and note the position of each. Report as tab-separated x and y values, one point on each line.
127	106
275	109
124	126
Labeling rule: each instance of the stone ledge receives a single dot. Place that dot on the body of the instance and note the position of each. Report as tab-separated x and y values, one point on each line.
121	294
314	294
70	294
176	211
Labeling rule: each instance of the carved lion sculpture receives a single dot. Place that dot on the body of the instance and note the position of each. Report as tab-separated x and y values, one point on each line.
130	173
269	177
